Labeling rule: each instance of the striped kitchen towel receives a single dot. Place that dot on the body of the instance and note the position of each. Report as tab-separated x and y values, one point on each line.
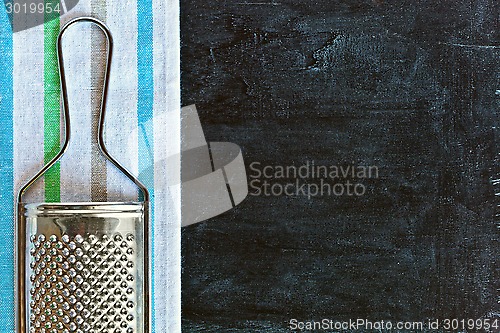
142	128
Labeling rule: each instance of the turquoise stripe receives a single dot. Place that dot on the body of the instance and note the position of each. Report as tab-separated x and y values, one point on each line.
7	177
145	60
145	110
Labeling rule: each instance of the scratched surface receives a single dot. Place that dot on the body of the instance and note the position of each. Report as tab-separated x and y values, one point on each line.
412	88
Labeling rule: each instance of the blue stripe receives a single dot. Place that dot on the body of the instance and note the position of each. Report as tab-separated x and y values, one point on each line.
7	177
145	111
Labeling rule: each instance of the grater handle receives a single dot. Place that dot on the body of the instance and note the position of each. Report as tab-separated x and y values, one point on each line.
102	114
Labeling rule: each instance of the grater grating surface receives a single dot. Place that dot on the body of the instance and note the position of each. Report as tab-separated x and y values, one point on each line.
83	284
85	268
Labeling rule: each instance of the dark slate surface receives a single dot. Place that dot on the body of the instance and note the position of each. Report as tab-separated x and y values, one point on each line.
410	86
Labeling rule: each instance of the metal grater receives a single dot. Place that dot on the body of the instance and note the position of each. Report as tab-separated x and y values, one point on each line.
83	267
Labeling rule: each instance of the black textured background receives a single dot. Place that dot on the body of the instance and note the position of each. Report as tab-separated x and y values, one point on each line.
410	86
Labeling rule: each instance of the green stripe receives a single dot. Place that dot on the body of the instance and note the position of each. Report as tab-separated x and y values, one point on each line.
52	111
